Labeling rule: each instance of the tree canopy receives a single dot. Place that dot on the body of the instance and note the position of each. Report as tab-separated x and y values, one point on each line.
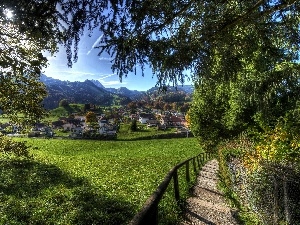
91	117
251	78
22	42
179	39
63	103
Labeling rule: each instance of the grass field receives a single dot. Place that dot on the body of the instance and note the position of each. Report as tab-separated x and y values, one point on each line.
89	182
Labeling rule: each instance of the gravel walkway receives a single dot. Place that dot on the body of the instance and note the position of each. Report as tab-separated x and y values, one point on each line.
208	205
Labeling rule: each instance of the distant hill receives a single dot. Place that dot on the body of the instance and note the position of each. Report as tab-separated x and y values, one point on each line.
50	81
189	89
98	84
79	92
93	92
126	92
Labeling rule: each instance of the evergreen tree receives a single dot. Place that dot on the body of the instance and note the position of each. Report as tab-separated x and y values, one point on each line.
63	103
133	125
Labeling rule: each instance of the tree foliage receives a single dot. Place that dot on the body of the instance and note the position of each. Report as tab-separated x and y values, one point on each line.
171	36
91	117
14	149
23	37
251	78
177	39
64	103
133	125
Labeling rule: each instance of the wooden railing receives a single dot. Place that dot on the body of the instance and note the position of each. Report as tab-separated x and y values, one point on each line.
148	215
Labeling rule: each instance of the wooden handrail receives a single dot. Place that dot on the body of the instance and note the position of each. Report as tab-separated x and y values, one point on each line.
148	215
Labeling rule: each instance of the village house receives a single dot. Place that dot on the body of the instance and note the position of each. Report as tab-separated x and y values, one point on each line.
183	120
57	124
105	128
144	117
67	123
152	123
68	126
80	118
133	117
39	126
171	121
77	130
73	121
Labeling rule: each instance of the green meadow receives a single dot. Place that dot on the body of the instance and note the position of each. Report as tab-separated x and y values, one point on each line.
89	181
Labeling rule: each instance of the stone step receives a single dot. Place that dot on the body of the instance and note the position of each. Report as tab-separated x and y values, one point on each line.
208	195
207	204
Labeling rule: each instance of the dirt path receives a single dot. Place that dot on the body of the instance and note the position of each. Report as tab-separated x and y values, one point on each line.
207	205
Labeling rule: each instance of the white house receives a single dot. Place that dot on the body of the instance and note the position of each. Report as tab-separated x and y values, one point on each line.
143	117
103	126
143	120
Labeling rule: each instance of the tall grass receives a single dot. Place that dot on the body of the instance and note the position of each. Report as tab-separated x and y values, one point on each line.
87	182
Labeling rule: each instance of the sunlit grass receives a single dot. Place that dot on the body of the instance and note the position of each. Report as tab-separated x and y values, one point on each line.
88	182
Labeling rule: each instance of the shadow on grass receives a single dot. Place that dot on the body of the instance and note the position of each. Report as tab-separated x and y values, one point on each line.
35	193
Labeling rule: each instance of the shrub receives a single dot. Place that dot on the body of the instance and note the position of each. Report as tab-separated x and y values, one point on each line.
254	174
17	149
64	103
133	125
280	146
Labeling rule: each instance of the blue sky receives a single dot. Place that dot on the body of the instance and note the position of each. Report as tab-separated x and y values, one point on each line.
92	66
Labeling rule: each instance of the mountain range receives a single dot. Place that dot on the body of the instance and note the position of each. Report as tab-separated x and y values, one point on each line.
93	92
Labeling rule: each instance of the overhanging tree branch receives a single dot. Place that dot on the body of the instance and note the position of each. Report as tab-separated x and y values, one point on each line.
262	14
170	20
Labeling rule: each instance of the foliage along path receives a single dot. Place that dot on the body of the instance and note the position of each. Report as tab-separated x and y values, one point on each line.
207	204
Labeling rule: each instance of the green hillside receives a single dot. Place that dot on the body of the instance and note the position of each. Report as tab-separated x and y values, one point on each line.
65	111
80	92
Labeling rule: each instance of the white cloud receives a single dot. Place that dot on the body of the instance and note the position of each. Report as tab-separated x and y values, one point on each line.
112	83
104	76
79	73
70	73
105	59
110	80
95	44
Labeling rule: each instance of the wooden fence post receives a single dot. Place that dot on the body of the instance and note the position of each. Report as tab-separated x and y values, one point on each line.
194	165
187	172
148	215
152	217
176	186
198	162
